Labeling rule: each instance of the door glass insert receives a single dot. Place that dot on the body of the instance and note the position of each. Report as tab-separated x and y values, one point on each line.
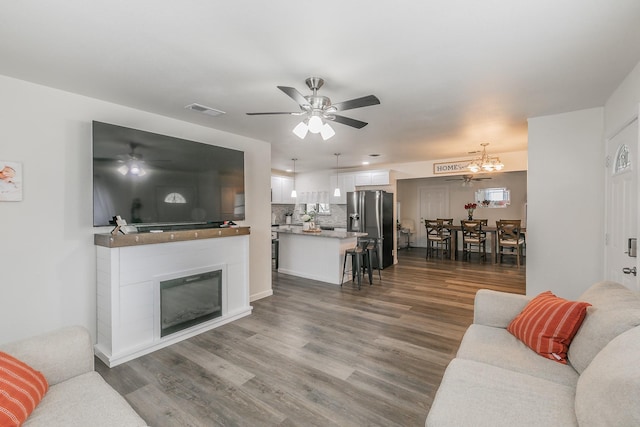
623	160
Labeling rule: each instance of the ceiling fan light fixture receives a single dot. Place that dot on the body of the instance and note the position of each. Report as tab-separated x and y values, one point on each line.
132	168
135	169
327	131
315	124
301	130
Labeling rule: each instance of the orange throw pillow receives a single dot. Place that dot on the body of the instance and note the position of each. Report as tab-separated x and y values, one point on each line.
21	389
547	325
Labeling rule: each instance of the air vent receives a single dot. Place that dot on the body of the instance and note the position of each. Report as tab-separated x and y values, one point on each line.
205	110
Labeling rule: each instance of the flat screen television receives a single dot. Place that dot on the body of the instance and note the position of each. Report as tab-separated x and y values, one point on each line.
156	180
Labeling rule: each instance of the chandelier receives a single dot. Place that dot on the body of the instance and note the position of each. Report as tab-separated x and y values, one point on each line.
485	162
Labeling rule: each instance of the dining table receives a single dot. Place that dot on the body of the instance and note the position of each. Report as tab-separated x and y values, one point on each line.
492	233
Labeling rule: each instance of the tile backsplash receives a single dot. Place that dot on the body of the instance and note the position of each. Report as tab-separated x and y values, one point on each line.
337	217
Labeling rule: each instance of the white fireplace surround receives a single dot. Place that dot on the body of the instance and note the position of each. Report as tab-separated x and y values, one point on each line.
129	291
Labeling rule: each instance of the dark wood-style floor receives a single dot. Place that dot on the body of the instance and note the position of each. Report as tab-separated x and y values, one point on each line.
314	354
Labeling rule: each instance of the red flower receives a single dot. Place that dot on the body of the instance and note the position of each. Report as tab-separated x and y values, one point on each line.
470	206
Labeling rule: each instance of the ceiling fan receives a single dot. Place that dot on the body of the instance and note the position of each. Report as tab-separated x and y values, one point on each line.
318	108
467	180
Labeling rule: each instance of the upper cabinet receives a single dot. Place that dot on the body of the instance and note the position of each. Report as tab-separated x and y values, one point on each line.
380	177
281	187
313	188
346	183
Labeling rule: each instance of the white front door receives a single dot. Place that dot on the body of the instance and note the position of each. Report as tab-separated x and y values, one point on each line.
434	203
622	205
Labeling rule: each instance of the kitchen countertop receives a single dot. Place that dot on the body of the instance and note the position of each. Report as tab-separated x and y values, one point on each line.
317	225
323	233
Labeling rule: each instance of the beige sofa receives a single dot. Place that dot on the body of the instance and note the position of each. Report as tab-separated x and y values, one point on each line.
77	395
495	380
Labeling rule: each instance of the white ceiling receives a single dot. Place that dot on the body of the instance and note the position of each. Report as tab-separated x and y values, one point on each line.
449	74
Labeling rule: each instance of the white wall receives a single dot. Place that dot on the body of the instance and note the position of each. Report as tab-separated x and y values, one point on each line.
47	254
565	224
622	105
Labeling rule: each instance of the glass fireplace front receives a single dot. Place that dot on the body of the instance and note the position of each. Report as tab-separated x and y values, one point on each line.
190	300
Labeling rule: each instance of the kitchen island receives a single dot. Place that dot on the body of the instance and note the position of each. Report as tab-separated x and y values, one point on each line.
314	255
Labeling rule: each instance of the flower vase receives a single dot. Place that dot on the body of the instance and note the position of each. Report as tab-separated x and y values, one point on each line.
470	212
306	226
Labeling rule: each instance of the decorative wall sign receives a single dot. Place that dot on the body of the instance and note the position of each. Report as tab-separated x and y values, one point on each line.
10	181
447	168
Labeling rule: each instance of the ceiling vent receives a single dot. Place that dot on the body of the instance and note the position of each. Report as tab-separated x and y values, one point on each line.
205	110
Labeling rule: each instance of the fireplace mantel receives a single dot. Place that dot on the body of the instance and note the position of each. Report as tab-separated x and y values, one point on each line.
136	239
129	271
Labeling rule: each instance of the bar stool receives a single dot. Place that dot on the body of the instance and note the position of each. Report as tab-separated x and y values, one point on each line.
372	250
358	262
275	250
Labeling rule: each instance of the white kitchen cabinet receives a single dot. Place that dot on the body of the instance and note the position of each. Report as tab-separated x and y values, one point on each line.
346	183
287	187
281	187
380	177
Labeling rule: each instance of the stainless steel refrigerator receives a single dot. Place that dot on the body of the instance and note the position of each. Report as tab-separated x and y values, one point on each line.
372	212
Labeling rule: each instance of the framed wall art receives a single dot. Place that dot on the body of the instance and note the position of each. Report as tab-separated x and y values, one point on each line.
10	181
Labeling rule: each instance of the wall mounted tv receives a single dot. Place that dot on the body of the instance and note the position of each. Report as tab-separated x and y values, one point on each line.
154	180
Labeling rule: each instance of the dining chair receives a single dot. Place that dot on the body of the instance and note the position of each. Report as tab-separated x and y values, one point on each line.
446	225
485	223
523	235
510	237
472	235
437	238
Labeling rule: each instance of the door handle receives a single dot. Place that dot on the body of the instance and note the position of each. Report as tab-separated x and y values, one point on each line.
628	270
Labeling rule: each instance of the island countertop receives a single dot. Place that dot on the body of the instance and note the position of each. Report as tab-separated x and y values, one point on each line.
322	233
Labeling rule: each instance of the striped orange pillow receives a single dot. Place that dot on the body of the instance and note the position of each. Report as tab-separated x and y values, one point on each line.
21	389
548	323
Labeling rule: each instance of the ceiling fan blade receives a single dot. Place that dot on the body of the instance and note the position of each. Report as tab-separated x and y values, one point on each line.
295	95
349	122
275	112
365	101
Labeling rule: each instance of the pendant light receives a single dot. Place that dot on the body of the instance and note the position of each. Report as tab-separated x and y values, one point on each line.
293	192
336	192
